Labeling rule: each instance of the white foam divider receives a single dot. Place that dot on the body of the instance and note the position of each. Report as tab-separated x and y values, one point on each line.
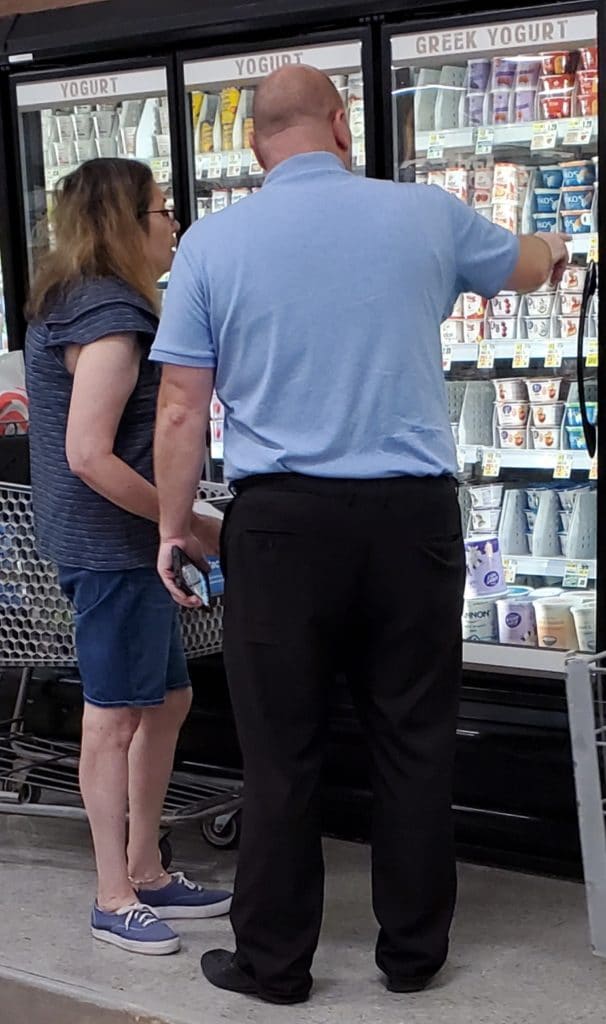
512	525
475	425
583	526
545	540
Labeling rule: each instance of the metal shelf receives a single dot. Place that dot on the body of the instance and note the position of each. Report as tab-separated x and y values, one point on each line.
504	135
461	352
528	565
514	660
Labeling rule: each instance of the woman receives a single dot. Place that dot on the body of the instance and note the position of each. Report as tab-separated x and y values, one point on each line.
93	315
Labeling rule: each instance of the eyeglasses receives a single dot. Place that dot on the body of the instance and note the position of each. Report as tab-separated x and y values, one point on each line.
167	212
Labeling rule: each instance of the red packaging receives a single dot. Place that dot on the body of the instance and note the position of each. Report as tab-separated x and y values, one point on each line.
558	83
588	83
554	107
556	63
588	106
589	57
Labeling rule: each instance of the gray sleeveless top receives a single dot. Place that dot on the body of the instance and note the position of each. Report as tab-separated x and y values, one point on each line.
74	525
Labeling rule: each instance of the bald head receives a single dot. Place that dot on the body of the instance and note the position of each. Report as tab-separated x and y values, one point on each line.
298	110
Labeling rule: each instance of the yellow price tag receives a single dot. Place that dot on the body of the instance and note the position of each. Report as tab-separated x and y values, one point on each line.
576	574
446	358
510	567
553	355
521	355
435	149
491	462
593	250
543	135
591	354
563	466
593	469
485	356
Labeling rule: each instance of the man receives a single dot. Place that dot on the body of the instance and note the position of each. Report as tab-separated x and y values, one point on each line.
316	307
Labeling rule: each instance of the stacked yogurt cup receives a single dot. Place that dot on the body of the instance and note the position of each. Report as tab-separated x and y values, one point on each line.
485	575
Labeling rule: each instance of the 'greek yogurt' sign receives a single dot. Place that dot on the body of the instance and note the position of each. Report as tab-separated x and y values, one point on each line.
538	34
91	88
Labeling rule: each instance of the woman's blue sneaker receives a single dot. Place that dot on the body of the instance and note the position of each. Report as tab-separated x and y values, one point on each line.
135	928
182	898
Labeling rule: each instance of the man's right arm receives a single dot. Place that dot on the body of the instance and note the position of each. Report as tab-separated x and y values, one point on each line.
542	257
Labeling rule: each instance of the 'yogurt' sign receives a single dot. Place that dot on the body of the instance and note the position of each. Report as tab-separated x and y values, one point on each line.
87	88
540	33
265	63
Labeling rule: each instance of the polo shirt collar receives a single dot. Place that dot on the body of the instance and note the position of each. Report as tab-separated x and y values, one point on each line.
306	163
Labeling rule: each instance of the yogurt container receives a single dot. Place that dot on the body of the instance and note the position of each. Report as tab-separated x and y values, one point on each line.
555	624
570	303
512	437
510	389
551	177
503	73
485	520
547	199
516	620
584	617
545	438
569	326
505	304
573	279
545	221
577	223
512	414
544	390
538	328
486	495
578	172
577	197
478	74
549	414
484	567
576	439
524	105
480	620
502	328
539	303
527	73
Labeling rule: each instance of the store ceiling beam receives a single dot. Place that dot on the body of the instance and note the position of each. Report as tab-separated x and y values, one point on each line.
94	27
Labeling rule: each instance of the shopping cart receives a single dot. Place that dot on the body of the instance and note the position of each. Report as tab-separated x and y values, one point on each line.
586	696
36	632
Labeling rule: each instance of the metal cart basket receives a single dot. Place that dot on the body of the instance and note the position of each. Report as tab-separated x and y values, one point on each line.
586	696
36	631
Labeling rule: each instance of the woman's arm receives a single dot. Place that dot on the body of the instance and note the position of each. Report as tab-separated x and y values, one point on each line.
105	374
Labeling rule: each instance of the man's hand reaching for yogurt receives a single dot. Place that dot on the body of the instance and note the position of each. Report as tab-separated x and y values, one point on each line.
543	257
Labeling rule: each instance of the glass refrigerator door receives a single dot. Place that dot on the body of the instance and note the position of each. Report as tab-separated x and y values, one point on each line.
504	116
221	93
64	122
3	330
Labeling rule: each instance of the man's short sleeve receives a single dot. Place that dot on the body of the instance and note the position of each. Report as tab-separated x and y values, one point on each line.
184	337
485	254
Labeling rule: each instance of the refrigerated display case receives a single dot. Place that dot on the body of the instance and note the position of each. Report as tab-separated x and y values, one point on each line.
221	96
64	121
503	115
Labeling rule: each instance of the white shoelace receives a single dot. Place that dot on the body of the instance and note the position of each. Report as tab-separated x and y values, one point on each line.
180	878
138	913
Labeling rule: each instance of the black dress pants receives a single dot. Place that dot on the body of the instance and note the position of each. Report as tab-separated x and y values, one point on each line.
366	574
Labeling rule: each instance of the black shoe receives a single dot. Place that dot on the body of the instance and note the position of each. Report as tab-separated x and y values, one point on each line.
219	967
396	984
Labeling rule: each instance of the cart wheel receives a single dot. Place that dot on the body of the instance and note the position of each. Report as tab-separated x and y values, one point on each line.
223	832
166	852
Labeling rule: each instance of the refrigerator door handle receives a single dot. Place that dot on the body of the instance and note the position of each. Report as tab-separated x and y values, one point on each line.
589	290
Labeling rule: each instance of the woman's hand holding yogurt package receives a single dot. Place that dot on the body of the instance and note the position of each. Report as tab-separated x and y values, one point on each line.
556	243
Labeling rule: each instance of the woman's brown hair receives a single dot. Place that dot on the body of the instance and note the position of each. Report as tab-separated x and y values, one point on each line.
97	227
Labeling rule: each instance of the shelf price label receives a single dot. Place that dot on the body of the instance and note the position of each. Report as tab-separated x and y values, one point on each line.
591	353
491	462
215	165
461	461
359	153
578	131
446	358
576	574
435	147
553	355
255	167
543	135
563	466
592	251
485	356
521	355
593	469
234	164
510	567
484	141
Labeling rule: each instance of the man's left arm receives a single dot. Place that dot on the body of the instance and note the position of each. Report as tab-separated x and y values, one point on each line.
179	450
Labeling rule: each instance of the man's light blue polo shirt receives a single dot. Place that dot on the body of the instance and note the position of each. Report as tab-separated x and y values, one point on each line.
319	301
